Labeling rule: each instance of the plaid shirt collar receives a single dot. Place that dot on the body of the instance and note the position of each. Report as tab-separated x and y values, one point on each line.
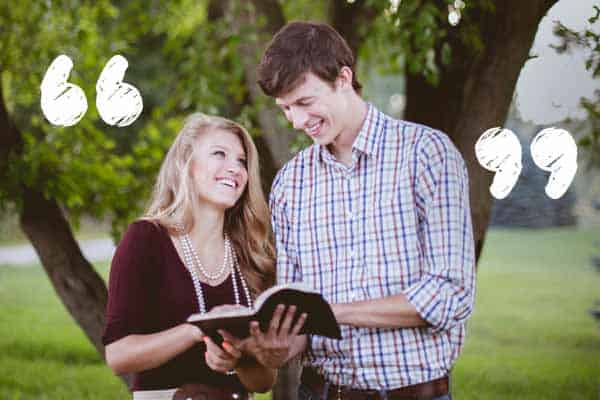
367	141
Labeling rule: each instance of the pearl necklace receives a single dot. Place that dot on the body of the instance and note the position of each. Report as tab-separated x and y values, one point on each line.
190	256
211	276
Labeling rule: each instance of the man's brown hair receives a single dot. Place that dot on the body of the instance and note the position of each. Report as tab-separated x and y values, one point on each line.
301	47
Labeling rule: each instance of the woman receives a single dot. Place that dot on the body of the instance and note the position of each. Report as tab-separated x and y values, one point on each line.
204	241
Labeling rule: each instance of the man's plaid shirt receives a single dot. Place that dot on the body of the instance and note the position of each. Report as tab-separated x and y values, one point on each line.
396	221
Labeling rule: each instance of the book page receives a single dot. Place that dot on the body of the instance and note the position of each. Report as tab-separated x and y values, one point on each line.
240	311
264	296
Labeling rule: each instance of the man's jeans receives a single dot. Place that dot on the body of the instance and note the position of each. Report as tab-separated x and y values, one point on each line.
305	393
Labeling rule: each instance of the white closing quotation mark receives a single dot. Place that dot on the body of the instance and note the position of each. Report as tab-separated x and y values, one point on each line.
499	150
64	103
555	150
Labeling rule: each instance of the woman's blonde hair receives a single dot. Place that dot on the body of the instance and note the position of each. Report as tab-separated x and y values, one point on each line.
247	223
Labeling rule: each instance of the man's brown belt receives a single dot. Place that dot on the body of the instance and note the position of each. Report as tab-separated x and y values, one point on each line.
422	391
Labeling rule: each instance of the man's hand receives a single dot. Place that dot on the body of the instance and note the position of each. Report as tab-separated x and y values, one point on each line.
272	348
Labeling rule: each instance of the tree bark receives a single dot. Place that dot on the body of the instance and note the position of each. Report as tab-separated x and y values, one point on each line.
78	285
10	137
277	139
476	90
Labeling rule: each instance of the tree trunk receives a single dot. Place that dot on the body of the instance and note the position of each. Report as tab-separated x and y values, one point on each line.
352	20
277	138
78	285
274	142
10	137
476	90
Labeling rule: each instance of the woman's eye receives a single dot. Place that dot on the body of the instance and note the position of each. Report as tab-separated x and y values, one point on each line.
219	153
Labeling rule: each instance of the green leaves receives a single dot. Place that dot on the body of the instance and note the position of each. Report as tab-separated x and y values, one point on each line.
588	39
92	168
181	62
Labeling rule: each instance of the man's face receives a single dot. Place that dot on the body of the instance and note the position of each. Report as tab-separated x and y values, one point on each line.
316	108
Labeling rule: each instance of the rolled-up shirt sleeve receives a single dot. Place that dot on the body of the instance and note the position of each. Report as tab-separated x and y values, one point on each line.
444	294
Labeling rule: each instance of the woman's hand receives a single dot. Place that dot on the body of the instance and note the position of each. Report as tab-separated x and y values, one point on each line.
221	359
195	332
225	358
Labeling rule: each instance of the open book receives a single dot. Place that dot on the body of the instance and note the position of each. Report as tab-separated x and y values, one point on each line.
320	319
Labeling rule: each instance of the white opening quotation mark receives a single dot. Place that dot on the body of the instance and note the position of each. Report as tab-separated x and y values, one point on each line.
118	102
552	149
64	104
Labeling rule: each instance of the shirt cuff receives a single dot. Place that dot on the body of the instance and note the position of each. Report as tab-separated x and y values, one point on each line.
428	298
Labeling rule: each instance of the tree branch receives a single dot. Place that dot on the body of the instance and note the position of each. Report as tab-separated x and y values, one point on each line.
476	90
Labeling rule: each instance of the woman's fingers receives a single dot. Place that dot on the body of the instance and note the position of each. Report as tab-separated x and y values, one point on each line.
221	360
231	350
216	363
215	350
228	337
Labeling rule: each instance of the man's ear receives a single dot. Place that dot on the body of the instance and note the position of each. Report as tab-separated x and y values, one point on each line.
344	79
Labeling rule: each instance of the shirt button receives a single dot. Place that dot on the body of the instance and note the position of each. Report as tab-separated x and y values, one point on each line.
349	214
351	253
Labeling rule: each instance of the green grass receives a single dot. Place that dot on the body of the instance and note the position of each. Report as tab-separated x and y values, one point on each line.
44	354
530	336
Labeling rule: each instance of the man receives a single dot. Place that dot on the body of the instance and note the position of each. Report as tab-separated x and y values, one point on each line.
375	215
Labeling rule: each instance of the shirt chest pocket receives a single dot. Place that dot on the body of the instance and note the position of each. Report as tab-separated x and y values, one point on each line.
392	248
320	234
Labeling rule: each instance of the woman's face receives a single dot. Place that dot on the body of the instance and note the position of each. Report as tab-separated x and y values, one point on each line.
219	168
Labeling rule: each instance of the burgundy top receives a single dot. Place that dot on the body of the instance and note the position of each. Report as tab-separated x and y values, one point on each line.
151	290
